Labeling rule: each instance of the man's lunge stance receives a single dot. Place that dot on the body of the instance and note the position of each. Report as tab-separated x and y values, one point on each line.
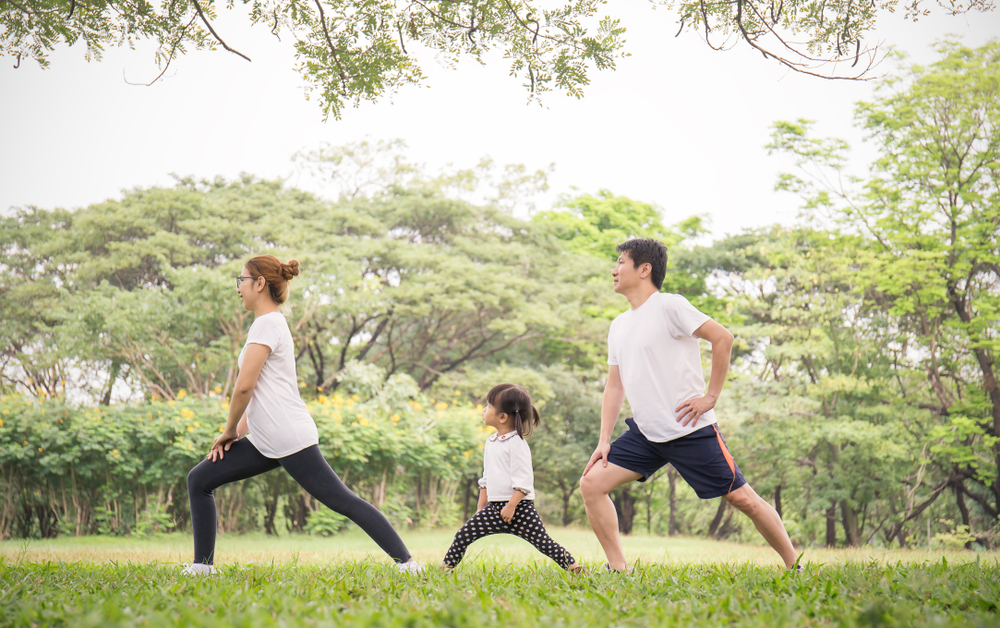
654	360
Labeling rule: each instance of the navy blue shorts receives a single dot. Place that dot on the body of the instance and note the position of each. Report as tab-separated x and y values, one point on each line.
701	457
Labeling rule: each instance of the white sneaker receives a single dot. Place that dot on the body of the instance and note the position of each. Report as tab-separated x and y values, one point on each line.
410	566
199	569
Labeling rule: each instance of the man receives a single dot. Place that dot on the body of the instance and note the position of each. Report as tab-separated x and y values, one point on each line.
654	360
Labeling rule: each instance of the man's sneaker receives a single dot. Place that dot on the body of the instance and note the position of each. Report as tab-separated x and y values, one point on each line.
410	566
199	569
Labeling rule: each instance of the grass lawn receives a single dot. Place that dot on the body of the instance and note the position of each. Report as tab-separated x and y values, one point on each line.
346	580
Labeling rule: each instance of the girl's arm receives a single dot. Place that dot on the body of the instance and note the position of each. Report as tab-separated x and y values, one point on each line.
482	499
508	511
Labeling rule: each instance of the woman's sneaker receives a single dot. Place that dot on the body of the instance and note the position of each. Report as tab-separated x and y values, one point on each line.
198	569
410	566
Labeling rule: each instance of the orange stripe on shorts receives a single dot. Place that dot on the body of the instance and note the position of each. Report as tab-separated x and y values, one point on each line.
729	456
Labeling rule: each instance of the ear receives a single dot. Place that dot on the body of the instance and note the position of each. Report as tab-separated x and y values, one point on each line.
645	270
503	418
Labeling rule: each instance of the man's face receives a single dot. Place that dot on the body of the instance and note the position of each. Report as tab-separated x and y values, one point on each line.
627	276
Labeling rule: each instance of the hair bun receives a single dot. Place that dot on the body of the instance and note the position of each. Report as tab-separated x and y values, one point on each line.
291	269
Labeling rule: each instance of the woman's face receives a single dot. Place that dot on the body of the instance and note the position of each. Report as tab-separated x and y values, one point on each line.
250	290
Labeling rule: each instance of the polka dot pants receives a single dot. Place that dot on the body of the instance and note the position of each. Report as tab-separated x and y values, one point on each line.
526	524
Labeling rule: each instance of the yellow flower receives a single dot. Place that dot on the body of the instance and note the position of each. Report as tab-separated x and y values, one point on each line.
362	420
197	424
355	398
40	449
171	402
182	393
187	414
417	407
336	416
217	390
322	399
479	407
1	422
222	429
302	384
457	393
395	419
114	451
466	454
190	428
441	405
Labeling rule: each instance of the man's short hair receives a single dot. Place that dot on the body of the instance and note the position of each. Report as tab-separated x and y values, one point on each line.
647	251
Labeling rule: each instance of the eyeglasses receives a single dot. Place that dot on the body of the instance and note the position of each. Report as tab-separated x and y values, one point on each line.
239	280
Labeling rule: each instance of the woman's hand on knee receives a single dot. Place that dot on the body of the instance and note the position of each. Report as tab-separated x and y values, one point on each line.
221	446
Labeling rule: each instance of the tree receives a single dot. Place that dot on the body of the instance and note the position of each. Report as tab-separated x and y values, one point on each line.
930	213
815	38
354	51
347	52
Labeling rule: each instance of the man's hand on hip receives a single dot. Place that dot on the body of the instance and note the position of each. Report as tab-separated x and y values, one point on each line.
692	409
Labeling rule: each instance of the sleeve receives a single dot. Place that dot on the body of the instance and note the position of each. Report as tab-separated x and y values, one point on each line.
612	356
682	317
522	478
264	331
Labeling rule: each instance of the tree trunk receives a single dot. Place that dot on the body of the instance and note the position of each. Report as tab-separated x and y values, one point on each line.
831	526
777	500
672	523
625	503
116	368
567	494
713	528
960	499
850	518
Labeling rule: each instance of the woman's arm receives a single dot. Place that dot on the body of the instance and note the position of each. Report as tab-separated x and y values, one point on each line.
253	361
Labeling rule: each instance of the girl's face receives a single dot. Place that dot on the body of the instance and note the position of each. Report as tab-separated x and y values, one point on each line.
251	290
494	419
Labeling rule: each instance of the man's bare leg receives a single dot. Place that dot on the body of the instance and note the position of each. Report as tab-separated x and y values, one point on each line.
595	486
765	518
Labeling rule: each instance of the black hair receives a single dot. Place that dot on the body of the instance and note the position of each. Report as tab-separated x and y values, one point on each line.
515	402
647	251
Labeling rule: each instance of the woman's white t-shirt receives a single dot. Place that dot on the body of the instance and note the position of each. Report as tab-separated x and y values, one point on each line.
660	363
280	424
507	468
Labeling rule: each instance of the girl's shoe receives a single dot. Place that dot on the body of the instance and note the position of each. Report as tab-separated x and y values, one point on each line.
410	566
199	569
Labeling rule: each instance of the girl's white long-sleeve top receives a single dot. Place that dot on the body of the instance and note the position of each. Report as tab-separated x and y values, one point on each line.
507	468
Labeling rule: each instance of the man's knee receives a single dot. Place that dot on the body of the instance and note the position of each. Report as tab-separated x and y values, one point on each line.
746	501
590	488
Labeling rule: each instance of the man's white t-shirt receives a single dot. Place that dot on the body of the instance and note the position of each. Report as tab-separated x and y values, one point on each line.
280	424
660	363
507	468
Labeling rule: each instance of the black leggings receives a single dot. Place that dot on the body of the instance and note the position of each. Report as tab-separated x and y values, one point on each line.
308	468
525	523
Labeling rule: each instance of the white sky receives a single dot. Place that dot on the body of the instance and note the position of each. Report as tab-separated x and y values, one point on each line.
677	124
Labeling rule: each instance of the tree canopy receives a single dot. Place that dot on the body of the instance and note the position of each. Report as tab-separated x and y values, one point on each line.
353	51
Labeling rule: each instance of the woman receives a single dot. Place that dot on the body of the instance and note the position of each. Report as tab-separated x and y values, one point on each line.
267	409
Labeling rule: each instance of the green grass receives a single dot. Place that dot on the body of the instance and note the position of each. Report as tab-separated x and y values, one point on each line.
306	581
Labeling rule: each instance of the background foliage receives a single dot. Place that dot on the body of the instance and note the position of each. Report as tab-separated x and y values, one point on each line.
863	400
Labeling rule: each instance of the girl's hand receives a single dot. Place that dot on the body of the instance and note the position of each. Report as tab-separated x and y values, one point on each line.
222	445
508	512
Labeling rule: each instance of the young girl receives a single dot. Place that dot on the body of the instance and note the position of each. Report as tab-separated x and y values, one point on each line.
267	410
505	490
